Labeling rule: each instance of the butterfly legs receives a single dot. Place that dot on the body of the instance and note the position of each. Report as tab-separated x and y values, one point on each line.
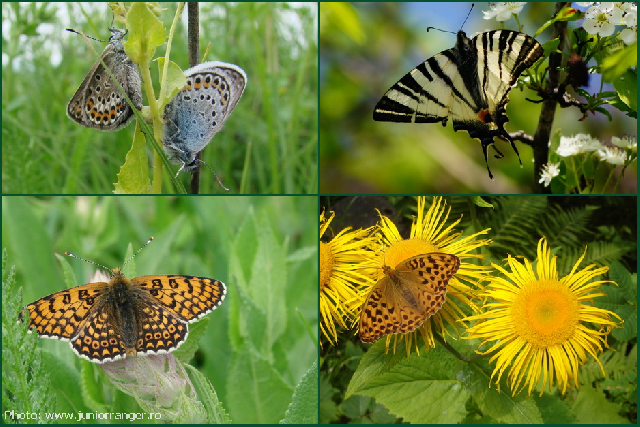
489	142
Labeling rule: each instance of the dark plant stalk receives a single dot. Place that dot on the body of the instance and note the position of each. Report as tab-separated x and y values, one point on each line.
193	19
547	114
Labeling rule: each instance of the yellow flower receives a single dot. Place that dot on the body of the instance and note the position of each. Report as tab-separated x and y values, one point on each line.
538	322
340	261
429	234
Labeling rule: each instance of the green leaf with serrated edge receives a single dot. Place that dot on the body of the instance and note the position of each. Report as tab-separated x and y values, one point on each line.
133	177
591	406
553	409
431	377
500	406
176	80
188	348
207	395
374	362
303	408
146	33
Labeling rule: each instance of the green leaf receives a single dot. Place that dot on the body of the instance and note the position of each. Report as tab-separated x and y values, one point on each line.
592	407
254	383
480	202
554	410
146	33
619	62
328	408
627	87
91	379
175	81
196	331
375	362
303	408
216	413
406	387
133	177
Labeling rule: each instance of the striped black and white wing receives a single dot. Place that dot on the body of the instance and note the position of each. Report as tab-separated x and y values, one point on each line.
468	84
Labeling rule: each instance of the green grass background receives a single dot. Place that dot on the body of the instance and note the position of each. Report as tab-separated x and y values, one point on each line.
263	337
271	137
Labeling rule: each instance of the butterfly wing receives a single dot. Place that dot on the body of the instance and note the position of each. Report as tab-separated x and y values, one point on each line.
97	340
503	56
188	297
61	314
160	330
425	278
423	95
384	312
468	84
200	109
98	103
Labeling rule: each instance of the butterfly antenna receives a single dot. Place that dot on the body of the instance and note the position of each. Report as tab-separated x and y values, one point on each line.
138	251
444	31
214	174
90	262
468	14
84	35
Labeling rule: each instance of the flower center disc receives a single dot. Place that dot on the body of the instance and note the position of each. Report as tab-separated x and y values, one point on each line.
545	313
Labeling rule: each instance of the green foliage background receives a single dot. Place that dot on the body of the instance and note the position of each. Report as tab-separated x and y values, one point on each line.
359	383
365	47
269	143
259	343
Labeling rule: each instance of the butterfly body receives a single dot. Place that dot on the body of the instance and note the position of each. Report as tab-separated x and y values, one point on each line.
407	296
98	103
107	321
468	84
200	109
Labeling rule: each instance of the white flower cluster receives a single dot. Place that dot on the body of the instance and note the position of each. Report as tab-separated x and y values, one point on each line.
602	17
503	11
582	143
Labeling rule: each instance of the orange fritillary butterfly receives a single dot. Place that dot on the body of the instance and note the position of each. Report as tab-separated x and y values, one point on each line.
107	321
406	297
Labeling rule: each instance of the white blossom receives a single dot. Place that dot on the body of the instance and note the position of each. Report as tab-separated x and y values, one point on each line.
613	155
625	142
581	143
503	11
549	171
602	19
629	35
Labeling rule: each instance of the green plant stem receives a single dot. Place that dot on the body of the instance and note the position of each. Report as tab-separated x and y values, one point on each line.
157	119
456	353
